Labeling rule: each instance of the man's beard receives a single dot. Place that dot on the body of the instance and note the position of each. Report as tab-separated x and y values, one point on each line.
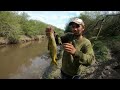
77	34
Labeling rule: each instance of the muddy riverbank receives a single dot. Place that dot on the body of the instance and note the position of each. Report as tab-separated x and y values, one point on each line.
22	39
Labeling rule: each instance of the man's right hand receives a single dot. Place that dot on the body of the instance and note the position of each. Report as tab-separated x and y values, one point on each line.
48	30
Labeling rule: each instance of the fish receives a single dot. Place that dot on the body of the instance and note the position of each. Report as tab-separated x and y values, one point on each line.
52	46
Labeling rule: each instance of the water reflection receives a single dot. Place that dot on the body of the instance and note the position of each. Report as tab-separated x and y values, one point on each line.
13	57
35	70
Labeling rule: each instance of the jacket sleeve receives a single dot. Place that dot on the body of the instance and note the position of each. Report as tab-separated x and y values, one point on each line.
86	57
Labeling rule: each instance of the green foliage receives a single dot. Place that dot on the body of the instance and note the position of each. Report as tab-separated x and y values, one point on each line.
114	44
13	24
59	31
102	53
111	27
8	23
13	38
68	29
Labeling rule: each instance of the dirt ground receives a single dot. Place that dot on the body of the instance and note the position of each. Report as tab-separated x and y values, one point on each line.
106	70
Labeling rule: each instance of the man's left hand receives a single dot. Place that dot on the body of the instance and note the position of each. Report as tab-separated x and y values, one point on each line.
68	47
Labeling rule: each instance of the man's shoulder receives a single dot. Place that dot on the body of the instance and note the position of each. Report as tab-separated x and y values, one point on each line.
87	41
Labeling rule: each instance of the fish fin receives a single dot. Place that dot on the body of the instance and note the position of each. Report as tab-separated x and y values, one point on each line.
55	61
56	58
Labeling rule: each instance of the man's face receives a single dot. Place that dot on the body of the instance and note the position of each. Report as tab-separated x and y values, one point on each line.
77	29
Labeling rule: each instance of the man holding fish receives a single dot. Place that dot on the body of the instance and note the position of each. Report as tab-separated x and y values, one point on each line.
78	52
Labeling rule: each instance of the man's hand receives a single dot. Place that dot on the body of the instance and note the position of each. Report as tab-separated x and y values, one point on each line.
68	47
48	30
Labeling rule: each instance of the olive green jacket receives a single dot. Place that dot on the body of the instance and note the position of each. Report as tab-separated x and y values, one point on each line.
84	55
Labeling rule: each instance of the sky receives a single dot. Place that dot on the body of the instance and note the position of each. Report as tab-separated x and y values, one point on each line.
55	18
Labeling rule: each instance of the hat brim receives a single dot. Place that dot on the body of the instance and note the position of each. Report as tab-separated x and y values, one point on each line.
73	23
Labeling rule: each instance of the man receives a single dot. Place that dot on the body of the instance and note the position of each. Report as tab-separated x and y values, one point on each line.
78	52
